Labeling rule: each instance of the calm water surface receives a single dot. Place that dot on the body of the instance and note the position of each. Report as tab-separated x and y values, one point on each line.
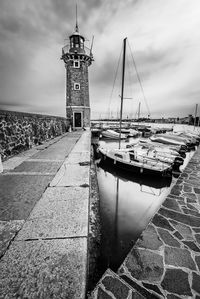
127	204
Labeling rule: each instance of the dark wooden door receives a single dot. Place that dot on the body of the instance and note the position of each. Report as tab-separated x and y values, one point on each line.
77	120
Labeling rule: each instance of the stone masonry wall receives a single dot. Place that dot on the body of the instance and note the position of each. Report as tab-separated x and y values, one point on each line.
77	75
20	131
79	98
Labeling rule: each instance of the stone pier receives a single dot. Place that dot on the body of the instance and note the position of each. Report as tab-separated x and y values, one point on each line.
165	261
44	250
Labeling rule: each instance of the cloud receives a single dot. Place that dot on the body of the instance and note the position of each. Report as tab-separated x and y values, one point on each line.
163	36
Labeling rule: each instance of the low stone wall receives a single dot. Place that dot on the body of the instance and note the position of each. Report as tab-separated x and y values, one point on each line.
20	131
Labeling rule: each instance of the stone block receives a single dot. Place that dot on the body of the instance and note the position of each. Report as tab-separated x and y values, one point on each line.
60	213
171	204
184	230
112	286
8	230
167	238
38	166
143	264
71	175
78	157
185	219
149	239
83	145
179	257
12	163
17	202
44	269
176	281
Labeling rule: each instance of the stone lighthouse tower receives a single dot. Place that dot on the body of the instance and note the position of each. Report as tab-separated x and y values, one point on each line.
77	58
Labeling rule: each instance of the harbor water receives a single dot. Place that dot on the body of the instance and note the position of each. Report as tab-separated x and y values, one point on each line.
127	204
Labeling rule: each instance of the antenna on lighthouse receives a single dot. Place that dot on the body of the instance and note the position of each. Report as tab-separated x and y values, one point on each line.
76	28
91	45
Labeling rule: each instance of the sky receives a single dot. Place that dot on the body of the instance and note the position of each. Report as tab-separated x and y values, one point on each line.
163	40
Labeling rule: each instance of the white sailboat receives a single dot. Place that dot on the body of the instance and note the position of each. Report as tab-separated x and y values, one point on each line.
129	159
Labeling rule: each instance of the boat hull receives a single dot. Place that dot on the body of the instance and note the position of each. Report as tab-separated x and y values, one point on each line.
135	177
133	168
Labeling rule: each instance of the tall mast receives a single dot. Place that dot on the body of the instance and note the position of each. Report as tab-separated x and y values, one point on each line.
122	89
139	111
195	116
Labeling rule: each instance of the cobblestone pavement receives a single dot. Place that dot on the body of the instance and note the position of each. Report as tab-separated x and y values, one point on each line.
165	261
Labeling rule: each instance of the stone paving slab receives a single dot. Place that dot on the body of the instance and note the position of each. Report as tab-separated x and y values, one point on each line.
78	158
44	269
58	150
55	215
84	143
48	257
42	167
15	161
17	202
71	175
45	160
112	286
8	230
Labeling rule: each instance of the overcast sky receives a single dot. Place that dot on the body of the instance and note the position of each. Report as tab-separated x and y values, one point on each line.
164	38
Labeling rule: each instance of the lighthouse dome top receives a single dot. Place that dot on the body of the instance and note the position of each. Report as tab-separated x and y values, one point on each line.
76	33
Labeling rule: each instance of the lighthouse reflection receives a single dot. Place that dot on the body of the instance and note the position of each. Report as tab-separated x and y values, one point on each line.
127	203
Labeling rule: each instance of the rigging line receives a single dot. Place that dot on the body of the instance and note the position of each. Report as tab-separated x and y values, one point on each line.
129	76
139	80
114	81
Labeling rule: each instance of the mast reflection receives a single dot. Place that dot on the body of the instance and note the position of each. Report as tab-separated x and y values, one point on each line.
127	203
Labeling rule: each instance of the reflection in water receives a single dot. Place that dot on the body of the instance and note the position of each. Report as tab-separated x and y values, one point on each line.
127	204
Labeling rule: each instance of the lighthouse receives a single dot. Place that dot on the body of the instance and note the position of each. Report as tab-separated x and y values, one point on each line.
77	58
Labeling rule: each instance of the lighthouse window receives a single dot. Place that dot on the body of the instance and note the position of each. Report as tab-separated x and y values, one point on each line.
76	64
76	39
76	86
81	43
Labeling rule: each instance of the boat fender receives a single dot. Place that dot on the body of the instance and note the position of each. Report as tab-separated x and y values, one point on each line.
141	170
114	162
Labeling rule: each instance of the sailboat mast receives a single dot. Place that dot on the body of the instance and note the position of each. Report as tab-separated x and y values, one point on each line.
122	89
138	114
195	116
139	111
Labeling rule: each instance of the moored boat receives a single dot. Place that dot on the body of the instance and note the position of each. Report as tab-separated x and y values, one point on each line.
172	148
151	152
111	134
130	159
131	162
167	140
183	140
140	179
191	138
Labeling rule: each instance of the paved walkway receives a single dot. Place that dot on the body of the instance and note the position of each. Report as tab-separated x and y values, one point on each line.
165	261
44	199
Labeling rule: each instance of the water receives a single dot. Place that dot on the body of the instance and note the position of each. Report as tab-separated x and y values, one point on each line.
127	204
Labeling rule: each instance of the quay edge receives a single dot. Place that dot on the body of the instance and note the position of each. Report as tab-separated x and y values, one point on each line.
165	261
